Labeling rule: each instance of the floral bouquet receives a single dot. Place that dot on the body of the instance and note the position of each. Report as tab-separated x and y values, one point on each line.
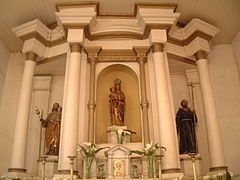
121	133
88	152
150	151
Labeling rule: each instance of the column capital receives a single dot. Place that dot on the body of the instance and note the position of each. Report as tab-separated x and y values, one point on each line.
157	47
31	56
75	47
200	55
141	53
93	52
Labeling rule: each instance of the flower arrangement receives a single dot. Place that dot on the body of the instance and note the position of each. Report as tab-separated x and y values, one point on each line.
121	133
149	151
88	152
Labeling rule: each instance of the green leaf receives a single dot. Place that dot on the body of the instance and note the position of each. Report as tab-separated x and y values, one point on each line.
137	152
132	132
100	149
84	150
228	176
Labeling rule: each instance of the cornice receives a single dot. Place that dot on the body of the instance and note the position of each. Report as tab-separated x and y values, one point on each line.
36	29
96	26
195	28
85	4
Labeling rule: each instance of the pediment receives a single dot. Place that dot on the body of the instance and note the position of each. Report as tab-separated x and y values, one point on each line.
118	150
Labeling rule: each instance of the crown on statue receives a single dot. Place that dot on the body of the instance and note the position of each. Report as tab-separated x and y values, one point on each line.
117	81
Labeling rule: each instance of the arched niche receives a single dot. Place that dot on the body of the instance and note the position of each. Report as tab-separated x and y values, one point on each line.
130	87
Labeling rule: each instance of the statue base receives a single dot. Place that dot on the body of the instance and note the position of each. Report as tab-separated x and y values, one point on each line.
112	135
187	165
51	166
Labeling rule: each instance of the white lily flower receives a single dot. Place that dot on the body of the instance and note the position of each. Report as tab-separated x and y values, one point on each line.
120	131
148	146
87	143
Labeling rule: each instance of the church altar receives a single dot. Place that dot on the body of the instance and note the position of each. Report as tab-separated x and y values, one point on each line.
116	78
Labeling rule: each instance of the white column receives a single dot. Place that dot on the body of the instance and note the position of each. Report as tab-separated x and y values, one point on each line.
166	122
92	53
171	101
212	124
141	53
68	141
24	104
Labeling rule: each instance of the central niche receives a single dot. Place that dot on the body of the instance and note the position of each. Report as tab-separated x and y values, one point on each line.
130	87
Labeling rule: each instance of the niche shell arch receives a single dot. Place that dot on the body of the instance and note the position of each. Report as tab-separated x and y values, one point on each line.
130	87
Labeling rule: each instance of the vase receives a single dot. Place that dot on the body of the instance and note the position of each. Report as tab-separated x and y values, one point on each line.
150	165
120	139
88	164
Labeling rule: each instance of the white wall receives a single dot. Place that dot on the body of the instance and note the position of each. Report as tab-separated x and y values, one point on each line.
56	93
236	49
4	55
226	88
9	108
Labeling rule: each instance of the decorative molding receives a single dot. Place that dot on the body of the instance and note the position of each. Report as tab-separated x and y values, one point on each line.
36	29
195	28
173	170
75	47
116	59
33	45
141	53
200	55
47	60
198	44
192	76
20	170
154	5
181	59
117	55
220	168
31	56
157	47
187	41
86	4
42	83
66	171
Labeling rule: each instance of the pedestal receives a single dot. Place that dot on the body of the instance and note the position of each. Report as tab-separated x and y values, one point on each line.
112	136
215	175
51	167
187	167
118	162
16	175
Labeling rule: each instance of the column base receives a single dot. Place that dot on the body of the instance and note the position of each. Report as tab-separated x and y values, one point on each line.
65	174
171	175
18	170
220	168
216	172
14	173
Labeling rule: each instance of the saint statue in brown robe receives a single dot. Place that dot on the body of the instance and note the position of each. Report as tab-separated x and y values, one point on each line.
117	104
186	120
52	134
